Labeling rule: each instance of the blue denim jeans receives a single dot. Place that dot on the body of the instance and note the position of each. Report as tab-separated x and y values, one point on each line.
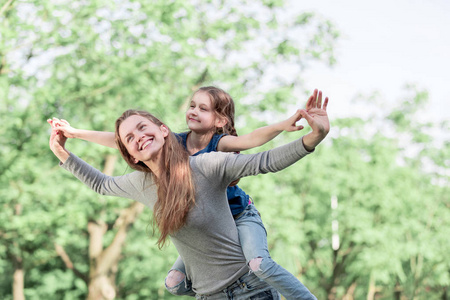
184	288
247	287
253	239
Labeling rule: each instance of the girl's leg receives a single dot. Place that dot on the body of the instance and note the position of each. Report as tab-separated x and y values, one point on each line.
176	282
253	238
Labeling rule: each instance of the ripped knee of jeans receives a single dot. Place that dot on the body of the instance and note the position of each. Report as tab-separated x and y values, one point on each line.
174	278
255	264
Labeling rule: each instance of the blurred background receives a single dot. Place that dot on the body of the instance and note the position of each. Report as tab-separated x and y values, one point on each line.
365	217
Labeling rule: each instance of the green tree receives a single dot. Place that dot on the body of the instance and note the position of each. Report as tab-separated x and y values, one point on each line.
388	174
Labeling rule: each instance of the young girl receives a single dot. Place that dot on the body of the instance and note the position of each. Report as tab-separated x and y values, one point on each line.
210	119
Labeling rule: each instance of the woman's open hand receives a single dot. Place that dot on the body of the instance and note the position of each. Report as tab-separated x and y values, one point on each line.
58	141
317	117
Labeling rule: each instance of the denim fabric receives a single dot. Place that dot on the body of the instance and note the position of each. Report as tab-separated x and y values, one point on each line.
253	239
247	287
184	288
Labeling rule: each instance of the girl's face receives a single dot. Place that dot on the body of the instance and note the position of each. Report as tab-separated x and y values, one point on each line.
201	117
142	138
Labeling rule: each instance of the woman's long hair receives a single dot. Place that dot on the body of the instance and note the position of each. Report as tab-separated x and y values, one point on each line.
176	193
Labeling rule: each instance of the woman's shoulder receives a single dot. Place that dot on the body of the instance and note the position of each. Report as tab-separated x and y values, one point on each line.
209	159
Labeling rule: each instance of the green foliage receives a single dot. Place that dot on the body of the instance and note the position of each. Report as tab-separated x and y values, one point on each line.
392	215
88	61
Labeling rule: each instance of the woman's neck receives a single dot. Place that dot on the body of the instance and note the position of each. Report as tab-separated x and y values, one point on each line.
198	141
154	166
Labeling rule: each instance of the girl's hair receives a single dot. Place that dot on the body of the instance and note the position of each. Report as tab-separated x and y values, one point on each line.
223	106
176	193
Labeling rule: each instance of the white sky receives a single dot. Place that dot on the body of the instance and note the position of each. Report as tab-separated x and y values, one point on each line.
385	44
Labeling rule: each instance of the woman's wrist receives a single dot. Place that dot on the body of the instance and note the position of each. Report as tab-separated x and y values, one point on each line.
62	154
311	140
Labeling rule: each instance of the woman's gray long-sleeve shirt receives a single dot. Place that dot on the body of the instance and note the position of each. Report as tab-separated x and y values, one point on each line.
208	243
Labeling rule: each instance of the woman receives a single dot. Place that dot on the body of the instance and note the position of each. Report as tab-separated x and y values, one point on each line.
188	195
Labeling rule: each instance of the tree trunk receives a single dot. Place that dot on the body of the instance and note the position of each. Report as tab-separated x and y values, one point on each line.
349	295
18	281
371	292
103	262
99	286
19	272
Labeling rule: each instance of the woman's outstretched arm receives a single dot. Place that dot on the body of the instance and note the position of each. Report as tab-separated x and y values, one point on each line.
262	135
231	167
136	185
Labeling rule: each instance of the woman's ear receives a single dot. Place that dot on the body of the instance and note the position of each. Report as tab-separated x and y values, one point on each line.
165	130
136	161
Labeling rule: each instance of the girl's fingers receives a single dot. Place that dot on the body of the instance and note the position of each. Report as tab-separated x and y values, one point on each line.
56	120
306	116
65	122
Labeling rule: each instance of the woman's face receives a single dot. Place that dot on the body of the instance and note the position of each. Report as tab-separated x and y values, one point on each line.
142	138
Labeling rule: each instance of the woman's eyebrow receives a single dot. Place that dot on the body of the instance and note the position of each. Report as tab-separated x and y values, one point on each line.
130	133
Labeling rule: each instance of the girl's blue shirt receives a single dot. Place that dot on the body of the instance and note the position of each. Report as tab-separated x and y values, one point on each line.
237	198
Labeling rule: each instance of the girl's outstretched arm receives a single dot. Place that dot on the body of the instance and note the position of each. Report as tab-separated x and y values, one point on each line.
264	134
99	137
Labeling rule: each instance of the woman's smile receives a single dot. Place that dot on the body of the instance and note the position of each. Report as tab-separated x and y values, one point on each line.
146	144
142	138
